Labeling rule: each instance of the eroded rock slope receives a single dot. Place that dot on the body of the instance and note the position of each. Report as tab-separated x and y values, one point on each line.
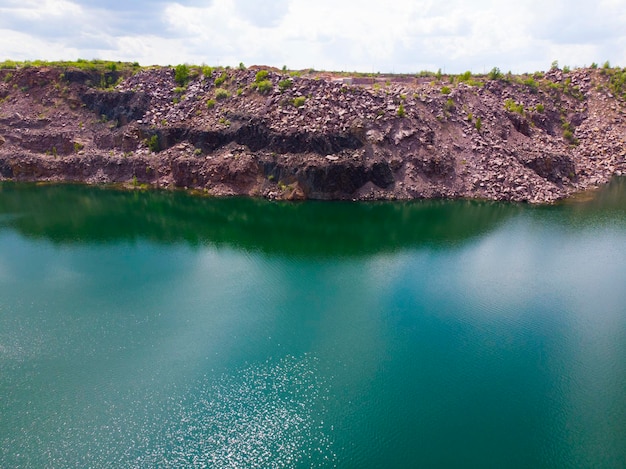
275	134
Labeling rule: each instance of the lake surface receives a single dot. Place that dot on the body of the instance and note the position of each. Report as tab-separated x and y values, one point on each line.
162	330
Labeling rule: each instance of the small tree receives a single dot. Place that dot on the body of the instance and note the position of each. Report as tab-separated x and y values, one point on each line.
181	74
495	74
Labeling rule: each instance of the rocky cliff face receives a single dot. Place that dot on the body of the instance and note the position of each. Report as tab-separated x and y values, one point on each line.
532	138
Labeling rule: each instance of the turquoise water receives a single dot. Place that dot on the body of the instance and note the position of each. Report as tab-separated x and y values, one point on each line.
161	330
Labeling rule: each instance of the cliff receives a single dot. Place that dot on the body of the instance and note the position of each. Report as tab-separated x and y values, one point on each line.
268	133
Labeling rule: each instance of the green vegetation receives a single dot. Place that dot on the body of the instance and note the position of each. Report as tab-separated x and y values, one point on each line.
181	75
478	124
260	76
568	132
540	108
285	84
299	101
264	87
153	143
262	83
450	105
210	103
221	93
401	112
219	81
207	71
495	74
617	82
445	90
82	64
465	77
531	83
512	106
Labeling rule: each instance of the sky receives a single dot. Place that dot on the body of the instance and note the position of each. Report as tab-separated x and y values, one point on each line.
399	36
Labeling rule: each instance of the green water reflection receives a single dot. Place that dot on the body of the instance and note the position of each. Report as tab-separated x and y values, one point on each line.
162	330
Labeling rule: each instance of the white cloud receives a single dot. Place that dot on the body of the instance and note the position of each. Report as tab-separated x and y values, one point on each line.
402	36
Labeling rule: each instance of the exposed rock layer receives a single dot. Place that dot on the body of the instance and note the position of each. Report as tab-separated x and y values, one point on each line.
533	139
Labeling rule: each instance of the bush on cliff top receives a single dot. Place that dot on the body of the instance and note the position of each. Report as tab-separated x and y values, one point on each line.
181	75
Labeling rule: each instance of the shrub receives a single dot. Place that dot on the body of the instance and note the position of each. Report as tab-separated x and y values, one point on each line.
219	81
181	74
449	106
566	69
241	66
207	71
445	90
264	86
512	106
299	101
260	76
617	82
539	107
153	143
465	77
594	65
495	74
285	84
401	112
478	124
210	103
569	136
221	93
531	83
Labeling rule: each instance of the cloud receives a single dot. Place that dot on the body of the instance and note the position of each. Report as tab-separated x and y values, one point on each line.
262	14
402	36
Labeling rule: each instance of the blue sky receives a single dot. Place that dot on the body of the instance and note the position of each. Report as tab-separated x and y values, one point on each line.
367	36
